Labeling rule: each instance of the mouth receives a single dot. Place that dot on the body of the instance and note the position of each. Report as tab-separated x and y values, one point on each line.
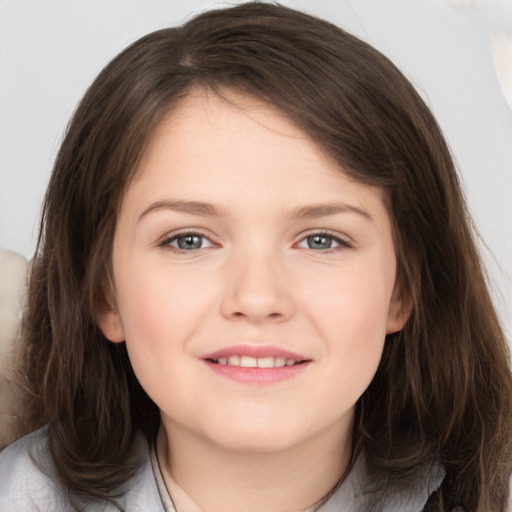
250	364
255	362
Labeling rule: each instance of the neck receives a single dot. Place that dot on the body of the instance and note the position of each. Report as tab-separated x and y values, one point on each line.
220	480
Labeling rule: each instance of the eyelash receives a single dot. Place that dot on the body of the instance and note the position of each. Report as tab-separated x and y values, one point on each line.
166	242
342	243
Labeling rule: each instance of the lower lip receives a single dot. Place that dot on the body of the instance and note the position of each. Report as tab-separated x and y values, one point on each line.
257	375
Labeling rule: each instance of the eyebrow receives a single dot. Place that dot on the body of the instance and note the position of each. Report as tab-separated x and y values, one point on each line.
323	210
208	209
190	207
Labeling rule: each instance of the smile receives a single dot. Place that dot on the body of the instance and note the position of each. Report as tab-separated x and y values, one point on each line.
257	365
253	362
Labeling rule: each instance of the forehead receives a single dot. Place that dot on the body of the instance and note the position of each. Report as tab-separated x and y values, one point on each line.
203	111
225	147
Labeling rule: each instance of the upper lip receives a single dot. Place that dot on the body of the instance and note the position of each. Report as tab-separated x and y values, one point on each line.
256	352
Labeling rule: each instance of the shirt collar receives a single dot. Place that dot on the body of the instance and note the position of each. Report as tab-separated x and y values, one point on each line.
348	496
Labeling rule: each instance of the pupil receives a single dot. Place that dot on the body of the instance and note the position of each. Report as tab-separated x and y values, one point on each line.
190	242
319	242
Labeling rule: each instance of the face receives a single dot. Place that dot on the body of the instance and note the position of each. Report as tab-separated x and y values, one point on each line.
254	280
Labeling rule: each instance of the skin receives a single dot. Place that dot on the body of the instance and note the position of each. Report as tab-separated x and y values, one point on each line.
258	280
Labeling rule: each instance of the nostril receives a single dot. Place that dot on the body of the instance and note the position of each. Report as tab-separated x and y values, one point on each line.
256	307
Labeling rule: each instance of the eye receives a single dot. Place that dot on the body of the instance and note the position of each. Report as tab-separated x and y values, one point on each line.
186	242
323	242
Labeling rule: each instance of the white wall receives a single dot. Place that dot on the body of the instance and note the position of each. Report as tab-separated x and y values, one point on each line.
457	52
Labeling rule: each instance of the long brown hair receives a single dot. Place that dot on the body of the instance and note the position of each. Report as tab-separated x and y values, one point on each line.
443	390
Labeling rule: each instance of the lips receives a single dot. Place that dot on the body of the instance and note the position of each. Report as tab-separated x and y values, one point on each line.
256	364
249	356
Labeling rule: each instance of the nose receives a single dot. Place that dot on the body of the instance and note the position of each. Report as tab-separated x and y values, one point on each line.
257	290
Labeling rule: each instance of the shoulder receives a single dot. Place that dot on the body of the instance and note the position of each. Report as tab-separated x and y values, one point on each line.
357	492
27	476
28	481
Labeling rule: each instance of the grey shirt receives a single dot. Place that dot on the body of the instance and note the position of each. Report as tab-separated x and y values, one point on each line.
26	486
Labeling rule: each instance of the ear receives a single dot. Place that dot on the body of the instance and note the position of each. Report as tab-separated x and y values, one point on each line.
109	322
400	308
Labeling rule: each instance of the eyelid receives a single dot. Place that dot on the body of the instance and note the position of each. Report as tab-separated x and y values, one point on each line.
344	241
165	241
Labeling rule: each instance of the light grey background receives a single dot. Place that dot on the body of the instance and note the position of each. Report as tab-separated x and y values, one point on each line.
50	50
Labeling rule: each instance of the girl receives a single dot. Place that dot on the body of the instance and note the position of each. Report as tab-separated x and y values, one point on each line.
257	289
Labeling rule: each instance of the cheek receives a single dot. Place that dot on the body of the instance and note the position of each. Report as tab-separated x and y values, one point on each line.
161	312
159	301
355	302
350	315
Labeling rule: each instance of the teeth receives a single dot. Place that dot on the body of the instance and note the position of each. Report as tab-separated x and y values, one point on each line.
266	362
253	362
234	360
248	362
